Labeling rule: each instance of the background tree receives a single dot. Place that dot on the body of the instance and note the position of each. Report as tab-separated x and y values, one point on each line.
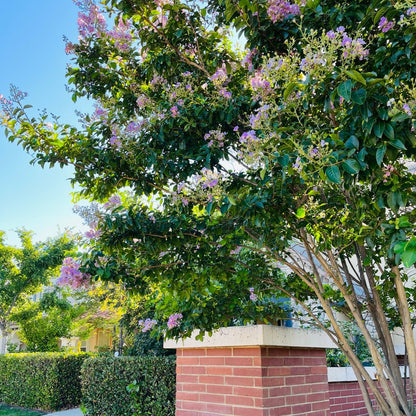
42	324
279	172
23	272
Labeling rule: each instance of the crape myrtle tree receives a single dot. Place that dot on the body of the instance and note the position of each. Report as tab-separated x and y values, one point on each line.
280	171
23	272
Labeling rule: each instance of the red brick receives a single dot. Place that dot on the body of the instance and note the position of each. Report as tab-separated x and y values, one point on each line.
295	380
191	369
223	409
318	397
180	361
239	400
320	405
225	371
270	382
211	379
247	371
316	378
301	409
248	391
291	400
257	361
239	381
247	352
189	396
279	391
276	351
274	402
319	387
301	370
215	388
314	361
293	361
212	398
239	361
193	387
278	371
319	370
244	411
301	389
299	352
272	361
215	352
199	352
186	378
211	361
194	406
184	413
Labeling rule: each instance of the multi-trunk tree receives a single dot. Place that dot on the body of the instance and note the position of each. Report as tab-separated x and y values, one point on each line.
284	171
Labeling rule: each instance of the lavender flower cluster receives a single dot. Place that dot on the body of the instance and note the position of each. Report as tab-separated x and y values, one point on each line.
174	320
147	324
71	274
278	10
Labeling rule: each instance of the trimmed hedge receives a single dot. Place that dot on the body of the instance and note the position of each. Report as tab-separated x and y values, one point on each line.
47	381
106	380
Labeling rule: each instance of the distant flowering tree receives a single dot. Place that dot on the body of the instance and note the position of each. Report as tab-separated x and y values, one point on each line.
285	171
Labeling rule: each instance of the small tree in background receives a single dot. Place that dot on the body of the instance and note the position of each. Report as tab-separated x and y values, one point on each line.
280	172
24	271
42	324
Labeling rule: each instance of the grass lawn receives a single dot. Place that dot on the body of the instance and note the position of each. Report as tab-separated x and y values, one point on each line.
14	411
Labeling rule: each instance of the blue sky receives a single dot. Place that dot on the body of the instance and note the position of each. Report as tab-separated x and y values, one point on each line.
33	58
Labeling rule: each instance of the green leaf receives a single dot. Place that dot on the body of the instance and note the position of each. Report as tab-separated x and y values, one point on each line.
288	90
389	131
398	144
352	142
344	90
333	174
380	154
359	96
351	166
400	117
392	201
300	213
356	76
409	253
379	128
232	200
399	247
404	222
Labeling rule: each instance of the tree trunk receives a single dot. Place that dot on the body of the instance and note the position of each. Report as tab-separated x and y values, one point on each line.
3	339
403	307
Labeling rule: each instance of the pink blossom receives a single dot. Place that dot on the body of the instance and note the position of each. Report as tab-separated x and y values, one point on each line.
71	274
174	320
279	10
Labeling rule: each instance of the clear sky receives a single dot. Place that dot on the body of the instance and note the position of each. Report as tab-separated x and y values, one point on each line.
32	57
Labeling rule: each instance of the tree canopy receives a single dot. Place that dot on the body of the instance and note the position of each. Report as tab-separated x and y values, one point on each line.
284	170
24	271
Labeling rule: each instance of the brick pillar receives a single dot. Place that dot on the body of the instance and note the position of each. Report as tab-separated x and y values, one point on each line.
253	380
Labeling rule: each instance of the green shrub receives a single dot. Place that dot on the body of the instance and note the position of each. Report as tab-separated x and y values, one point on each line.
106	380
47	381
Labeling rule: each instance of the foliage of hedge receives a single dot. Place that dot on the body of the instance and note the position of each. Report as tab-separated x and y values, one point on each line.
105	386
47	381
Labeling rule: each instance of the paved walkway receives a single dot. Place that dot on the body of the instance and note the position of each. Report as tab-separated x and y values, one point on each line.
70	412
